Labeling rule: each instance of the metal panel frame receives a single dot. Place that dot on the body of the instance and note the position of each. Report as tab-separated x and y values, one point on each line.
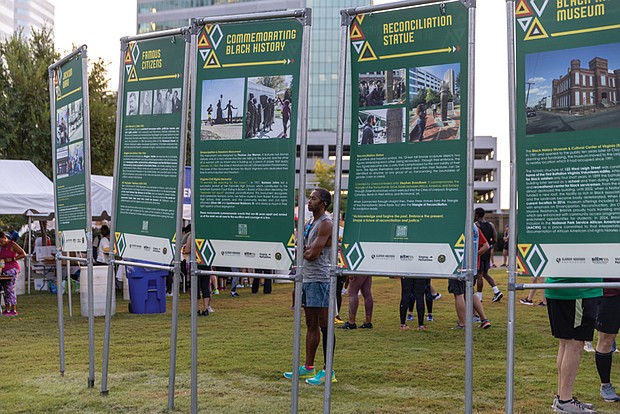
305	17
468	275
513	286
82	51
175	267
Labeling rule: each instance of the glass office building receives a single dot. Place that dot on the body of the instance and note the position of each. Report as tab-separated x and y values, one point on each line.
25	14
154	15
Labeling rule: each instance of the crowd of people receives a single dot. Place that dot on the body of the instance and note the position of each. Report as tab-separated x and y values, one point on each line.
573	313
373	93
261	115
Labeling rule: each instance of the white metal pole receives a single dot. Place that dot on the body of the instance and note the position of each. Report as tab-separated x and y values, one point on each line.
110	282
179	223
512	220
469	243
61	329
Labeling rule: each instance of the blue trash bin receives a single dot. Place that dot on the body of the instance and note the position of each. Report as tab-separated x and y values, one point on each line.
147	289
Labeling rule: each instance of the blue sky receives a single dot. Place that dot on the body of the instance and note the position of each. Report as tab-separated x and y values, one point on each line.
440	70
231	89
542	68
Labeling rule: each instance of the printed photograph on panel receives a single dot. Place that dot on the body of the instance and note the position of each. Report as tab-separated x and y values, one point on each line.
62	162
62	125
573	89
76	120
434	103
387	87
146	102
76	158
268	107
382	126
176	100
222	109
163	102
132	103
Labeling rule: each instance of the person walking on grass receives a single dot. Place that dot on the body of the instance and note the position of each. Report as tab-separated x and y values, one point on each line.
417	288
457	287
529	300
317	239
490	234
10	253
429	297
607	325
572	314
360	284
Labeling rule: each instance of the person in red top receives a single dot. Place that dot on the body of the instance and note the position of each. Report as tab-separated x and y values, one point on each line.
10	252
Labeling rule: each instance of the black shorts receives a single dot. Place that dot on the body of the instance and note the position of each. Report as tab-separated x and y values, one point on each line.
572	319
485	265
608	314
204	286
456	287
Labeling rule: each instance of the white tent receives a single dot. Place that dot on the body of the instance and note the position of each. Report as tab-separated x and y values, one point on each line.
26	190
23	187
101	196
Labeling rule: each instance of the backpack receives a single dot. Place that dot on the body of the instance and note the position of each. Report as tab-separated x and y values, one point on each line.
487	229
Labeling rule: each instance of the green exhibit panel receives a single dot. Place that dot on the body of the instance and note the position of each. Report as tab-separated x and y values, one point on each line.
244	142
408	169
71	152
149	163
568	137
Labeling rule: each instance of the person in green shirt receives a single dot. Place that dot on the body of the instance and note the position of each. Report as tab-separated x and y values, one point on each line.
572	313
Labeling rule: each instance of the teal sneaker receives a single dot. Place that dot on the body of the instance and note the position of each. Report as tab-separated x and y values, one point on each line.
319	378
303	373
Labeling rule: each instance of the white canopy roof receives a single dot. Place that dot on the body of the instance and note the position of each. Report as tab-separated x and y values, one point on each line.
26	190
101	196
23	187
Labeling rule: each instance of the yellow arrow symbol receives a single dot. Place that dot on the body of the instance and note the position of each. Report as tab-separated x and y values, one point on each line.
267	62
590	30
176	76
419	53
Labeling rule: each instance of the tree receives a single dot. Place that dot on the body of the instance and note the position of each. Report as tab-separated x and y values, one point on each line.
418	99
432	97
274	82
24	98
325	175
102	120
25	107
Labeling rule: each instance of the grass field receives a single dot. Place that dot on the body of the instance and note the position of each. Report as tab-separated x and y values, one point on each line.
247	343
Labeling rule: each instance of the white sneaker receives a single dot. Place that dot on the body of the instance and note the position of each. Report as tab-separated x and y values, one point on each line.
587	346
573	406
210	309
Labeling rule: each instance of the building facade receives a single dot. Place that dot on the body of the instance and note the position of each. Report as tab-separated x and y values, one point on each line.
25	14
487	170
155	15
421	80
583	87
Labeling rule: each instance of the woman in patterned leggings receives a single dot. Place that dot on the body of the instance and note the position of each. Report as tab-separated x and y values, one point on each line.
10	253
